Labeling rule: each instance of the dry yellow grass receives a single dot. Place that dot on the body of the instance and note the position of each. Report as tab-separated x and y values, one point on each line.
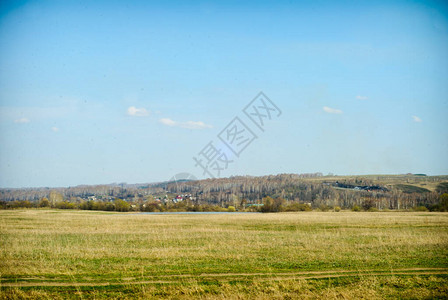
227	255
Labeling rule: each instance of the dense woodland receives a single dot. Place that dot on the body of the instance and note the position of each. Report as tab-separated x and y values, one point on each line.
274	192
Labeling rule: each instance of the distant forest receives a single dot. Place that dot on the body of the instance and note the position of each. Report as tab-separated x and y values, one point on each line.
374	192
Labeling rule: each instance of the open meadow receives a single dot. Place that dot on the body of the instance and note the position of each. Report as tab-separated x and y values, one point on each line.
87	254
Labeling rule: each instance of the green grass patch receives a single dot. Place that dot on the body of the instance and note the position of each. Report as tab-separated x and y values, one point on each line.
222	256
406	188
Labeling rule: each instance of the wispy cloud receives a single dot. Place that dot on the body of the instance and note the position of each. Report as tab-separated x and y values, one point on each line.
168	122
55	129
22	120
359	97
187	125
416	119
195	125
332	110
137	112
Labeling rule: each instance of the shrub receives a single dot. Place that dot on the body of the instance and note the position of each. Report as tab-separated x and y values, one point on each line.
443	204
121	205
337	209
356	208
150	207
372	209
98	205
19	204
368	204
419	208
44	202
272	205
298	207
252	209
324	207
231	209
109	206
86	205
65	205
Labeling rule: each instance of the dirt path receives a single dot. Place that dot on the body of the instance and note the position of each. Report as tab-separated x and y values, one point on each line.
40	281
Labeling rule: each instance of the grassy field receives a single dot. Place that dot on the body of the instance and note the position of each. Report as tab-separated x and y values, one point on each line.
391	181
84	254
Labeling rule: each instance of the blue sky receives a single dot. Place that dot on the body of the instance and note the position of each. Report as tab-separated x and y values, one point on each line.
116	91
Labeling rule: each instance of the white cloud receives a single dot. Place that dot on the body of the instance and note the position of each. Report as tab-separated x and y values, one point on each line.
195	125
54	129
22	120
188	124
416	119
168	122
332	110
137	112
359	97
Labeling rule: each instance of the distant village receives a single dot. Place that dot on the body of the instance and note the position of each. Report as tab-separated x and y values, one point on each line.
296	191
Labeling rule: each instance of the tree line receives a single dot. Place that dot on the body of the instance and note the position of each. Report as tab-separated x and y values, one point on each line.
242	193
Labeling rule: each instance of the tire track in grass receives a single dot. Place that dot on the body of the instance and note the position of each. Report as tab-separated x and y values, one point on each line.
224	277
